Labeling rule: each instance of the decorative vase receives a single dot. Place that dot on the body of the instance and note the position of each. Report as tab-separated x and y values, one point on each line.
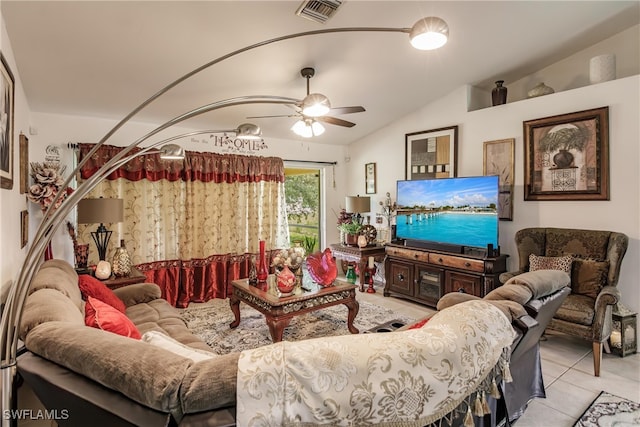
362	241
263	271
253	271
499	93
602	68
81	253
563	159
103	270
351	275
121	264
539	90
286	281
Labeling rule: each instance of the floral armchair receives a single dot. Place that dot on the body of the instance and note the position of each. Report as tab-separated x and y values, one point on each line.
596	257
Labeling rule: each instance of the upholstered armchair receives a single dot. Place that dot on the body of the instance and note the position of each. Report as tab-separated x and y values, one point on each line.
594	266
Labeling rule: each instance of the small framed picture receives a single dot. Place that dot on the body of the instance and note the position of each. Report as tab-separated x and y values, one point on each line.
370	178
24	228
24	164
499	160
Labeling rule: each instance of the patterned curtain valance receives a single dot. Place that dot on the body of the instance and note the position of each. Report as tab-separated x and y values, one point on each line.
205	167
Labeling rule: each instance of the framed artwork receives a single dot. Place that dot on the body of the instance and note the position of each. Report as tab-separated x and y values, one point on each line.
431	153
6	124
24	228
370	178
24	164
567	156
498	159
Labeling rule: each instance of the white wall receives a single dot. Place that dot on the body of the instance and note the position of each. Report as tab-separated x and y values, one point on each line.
11	201
621	213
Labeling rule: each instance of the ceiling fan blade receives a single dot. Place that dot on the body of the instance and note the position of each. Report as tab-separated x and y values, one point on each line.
335	121
347	110
270	117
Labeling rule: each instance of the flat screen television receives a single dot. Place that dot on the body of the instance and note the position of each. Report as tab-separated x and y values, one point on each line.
453	214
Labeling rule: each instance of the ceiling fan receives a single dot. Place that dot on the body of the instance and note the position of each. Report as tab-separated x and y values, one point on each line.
314	109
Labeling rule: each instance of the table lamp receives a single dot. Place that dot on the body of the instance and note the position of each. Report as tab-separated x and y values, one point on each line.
100	211
357	205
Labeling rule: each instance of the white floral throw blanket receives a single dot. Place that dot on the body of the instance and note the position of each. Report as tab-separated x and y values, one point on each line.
408	378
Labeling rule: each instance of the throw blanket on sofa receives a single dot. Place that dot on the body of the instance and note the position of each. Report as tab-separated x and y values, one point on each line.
408	378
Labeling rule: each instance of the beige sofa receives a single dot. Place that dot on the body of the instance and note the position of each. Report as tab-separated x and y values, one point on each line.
104	379
143	384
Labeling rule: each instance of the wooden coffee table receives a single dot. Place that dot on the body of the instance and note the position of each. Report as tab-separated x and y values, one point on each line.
279	311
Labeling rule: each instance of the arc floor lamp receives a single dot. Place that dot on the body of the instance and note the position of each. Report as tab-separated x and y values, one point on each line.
426	34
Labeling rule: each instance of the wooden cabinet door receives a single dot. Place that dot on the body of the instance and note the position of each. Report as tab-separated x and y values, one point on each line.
460	282
428	284
401	278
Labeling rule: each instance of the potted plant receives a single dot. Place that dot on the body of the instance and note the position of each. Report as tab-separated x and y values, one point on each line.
564	138
351	231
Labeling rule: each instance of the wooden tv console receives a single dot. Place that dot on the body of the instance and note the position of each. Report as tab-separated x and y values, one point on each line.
425	275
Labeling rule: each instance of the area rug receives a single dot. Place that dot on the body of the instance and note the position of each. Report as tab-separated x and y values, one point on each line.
608	410
210	321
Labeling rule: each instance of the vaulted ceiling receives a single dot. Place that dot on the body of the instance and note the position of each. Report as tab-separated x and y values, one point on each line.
103	58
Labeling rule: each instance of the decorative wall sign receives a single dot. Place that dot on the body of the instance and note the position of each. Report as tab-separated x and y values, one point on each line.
6	124
370	178
52	154
499	160
431	153
226	144
567	156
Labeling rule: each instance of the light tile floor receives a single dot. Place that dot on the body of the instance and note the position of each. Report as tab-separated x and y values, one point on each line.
567	366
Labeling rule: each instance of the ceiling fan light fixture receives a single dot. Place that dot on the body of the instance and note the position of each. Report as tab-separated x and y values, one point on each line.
307	128
315	105
429	33
316	128
249	131
300	128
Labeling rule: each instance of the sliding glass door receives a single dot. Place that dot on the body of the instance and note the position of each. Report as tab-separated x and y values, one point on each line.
303	189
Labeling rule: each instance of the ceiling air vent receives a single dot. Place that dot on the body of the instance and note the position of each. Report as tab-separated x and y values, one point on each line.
318	10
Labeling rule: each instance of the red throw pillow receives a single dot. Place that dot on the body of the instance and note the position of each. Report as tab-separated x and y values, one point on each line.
92	287
420	324
98	314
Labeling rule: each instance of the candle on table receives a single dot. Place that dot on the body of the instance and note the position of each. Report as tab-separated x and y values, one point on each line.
616	339
371	262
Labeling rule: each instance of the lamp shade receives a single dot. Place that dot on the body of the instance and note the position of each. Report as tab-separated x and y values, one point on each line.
169	152
249	131
102	210
429	33
357	204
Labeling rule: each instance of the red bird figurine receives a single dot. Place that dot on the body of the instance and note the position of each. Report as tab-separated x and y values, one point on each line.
322	267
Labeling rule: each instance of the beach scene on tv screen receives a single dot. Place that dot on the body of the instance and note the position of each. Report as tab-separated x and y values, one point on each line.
459	211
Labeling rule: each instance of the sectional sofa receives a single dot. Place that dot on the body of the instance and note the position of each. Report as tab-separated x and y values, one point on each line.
101	378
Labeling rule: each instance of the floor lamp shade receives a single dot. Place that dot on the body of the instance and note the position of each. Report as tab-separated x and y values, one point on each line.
100	211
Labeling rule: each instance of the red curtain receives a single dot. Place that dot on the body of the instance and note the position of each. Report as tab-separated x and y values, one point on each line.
196	166
190	280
